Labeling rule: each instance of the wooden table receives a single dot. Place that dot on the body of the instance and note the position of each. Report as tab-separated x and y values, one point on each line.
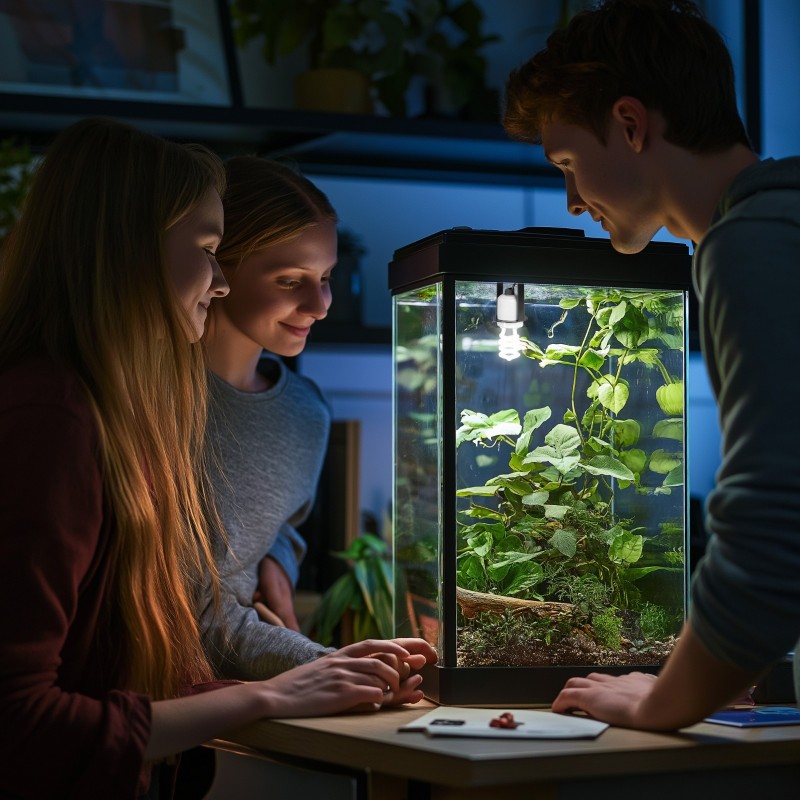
704	761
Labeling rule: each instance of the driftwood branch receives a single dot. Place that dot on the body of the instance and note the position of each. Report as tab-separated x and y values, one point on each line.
473	603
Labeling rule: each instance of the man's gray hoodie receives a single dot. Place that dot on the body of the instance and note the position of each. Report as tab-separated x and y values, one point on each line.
745	601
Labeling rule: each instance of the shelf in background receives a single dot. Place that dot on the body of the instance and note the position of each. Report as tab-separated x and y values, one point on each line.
320	143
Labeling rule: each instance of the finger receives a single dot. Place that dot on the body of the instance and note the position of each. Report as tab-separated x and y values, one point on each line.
415	661
372	646
400	666
267	615
409	692
569	700
388	658
418	647
381	674
592	679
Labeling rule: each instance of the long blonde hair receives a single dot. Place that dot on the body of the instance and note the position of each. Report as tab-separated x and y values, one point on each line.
83	280
266	203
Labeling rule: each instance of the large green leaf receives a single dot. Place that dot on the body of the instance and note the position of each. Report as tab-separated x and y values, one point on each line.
663	462
608	465
634	459
472	566
612	394
533	419
626	548
626	432
674	477
383	612
564	438
565	541
562	463
368	582
479	426
536	498
592	359
671	428
569	302
632	329
514	557
334	603
560	353
518	486
650	356
635	573
481	491
670	398
481	544
617	313
481	512
555	511
525	579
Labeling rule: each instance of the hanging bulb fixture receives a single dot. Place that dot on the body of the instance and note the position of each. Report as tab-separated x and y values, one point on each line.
510	318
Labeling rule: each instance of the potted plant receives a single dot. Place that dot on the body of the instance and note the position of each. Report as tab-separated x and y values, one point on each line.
353	46
369	47
449	55
359	605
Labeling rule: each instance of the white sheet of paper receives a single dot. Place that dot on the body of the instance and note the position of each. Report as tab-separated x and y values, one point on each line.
461	721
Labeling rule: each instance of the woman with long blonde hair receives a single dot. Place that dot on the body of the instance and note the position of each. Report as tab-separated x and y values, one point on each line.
268	425
105	284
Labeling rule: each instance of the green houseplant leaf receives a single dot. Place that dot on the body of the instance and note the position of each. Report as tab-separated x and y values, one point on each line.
365	593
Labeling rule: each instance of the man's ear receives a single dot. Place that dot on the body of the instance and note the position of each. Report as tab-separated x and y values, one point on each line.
632	117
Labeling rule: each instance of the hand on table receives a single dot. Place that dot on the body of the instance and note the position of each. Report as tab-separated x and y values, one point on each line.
692	684
615	699
357	677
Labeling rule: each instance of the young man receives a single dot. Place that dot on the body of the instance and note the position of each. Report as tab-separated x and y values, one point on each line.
634	102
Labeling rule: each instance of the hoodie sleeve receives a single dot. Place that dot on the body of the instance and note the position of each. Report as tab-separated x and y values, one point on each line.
57	741
745	593
288	550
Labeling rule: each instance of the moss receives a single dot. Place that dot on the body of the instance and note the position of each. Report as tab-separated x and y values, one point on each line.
608	629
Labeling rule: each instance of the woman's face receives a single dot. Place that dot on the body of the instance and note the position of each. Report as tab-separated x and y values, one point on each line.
189	248
279	292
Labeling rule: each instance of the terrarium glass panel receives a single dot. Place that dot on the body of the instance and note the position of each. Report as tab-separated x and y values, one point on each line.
540	506
569	476
417	487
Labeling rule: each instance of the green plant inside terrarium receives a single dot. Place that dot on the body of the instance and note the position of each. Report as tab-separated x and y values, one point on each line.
544	551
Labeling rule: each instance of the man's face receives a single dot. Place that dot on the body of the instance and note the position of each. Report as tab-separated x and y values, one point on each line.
607	181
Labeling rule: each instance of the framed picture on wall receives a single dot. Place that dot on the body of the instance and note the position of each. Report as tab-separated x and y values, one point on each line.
154	51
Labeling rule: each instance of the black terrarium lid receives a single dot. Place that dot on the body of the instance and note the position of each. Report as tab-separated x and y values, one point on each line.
537	255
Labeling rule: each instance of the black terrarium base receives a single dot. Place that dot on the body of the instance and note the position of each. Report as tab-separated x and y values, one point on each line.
506	687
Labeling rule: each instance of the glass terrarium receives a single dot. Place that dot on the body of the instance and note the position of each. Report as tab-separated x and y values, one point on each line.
540	506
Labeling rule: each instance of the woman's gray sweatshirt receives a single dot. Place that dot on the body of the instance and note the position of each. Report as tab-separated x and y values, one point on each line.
269	447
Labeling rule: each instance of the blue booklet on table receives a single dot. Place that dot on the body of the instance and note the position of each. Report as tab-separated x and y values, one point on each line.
757	716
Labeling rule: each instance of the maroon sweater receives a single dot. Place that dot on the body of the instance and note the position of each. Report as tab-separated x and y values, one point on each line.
67	729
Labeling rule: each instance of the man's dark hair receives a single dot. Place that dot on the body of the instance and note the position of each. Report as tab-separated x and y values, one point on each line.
662	52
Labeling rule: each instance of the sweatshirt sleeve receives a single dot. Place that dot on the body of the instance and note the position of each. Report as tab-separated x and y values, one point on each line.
55	742
745	593
288	550
243	647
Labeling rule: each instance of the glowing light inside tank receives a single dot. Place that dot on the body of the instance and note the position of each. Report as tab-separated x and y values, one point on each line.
510	318
510	345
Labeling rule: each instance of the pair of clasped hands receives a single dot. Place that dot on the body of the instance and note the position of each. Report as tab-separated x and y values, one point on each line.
364	676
